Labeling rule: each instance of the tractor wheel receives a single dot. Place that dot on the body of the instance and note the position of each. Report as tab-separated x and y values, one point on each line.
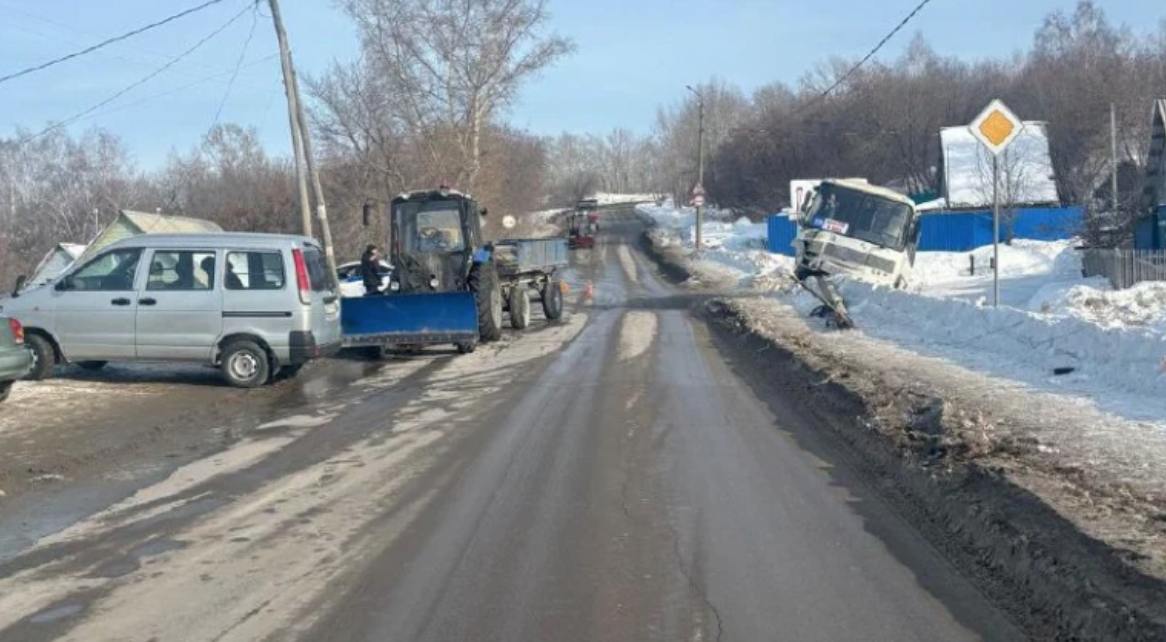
553	300
519	308
483	283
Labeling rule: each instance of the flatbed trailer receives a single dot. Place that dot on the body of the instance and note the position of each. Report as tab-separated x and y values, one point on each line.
531	265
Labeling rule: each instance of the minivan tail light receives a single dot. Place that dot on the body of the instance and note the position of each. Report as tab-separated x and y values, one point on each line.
302	281
17	330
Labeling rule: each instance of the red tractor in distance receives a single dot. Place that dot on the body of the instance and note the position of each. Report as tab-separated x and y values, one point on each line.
582	225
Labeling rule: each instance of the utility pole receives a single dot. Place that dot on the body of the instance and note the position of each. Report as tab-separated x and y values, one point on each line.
289	87
1113	150
314	173
699	191
302	141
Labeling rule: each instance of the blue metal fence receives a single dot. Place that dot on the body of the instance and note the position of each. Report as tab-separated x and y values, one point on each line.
967	230
963	230
782	230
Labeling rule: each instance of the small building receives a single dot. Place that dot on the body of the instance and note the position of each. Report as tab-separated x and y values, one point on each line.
1026	169
130	223
54	263
1150	229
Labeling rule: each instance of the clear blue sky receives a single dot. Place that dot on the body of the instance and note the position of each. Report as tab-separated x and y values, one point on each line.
633	55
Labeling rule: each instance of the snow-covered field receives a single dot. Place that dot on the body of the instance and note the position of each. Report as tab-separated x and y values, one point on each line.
1109	347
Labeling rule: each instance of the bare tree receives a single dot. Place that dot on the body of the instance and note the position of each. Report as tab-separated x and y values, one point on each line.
452	65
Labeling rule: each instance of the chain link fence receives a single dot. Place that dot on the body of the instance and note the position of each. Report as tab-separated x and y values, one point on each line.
1125	267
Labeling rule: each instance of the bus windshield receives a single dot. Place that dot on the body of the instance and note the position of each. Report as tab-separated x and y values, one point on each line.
859	215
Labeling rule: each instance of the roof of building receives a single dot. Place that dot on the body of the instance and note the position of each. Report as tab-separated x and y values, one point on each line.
1027	168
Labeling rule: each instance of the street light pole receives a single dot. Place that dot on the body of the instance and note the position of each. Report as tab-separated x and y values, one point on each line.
700	162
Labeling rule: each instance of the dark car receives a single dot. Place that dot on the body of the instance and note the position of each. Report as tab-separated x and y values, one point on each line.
15	359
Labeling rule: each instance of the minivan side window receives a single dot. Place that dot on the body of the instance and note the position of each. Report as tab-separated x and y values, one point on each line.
112	271
260	270
182	270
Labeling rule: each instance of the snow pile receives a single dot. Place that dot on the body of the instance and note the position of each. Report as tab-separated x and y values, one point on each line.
1055	330
735	250
1018	344
605	198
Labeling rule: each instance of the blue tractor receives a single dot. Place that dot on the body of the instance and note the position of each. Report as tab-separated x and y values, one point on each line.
445	288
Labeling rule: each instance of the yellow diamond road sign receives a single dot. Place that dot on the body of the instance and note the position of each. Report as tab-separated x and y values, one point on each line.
996	127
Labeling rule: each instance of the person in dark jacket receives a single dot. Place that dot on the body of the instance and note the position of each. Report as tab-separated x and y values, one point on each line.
370	270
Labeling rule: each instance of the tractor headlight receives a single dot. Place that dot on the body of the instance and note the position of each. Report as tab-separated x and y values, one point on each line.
395	286
433	282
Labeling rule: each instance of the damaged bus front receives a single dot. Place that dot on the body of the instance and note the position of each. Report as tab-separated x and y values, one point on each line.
858	230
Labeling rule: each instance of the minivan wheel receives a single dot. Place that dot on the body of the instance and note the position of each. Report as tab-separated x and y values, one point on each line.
44	357
245	364
92	365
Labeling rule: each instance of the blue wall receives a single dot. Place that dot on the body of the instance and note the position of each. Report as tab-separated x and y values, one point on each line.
1150	232
967	230
782	231
961	231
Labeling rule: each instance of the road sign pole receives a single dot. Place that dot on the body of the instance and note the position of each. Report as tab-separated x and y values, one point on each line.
995	231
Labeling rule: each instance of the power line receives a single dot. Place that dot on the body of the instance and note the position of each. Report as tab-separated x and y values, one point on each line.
242	54
92	48
887	38
178	89
137	83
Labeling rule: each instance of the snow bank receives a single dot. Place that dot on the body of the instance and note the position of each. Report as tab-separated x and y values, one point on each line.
1109	345
734	249
606	198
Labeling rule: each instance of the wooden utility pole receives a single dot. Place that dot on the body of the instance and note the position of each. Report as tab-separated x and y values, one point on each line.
317	189
289	87
302	141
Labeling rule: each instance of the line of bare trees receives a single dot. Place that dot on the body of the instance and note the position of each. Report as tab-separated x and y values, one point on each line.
883	124
423	105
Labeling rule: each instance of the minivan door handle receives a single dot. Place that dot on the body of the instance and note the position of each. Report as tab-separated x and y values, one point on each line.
120	301
147	301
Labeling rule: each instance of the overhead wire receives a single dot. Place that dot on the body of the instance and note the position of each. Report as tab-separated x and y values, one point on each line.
871	54
106	42
170	63
239	61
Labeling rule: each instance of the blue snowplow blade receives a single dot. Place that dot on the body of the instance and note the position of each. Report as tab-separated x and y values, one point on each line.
439	317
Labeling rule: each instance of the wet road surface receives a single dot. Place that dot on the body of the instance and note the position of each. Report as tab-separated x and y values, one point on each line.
611	477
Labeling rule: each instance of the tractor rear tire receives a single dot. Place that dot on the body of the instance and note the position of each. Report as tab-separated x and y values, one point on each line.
553	300
483	283
519	308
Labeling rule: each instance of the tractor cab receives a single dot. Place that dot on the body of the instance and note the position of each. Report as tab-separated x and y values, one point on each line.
435	235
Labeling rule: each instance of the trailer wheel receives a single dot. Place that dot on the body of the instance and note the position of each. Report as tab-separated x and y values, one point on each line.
519	308
553	300
483	283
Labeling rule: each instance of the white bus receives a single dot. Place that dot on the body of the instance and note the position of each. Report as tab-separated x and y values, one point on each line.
856	229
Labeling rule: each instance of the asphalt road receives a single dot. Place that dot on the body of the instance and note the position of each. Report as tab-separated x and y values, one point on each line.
612	477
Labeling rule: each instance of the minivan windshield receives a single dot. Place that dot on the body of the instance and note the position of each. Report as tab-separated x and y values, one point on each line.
430	226
859	215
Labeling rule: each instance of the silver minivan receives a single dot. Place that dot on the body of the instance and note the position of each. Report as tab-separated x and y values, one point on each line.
253	305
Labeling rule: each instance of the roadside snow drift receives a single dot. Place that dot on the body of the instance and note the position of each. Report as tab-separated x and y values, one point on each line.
1054	330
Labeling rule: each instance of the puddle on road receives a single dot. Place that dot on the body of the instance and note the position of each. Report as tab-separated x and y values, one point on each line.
56	613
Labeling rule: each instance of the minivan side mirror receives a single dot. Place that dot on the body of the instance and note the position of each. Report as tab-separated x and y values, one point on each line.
20	281
63	284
